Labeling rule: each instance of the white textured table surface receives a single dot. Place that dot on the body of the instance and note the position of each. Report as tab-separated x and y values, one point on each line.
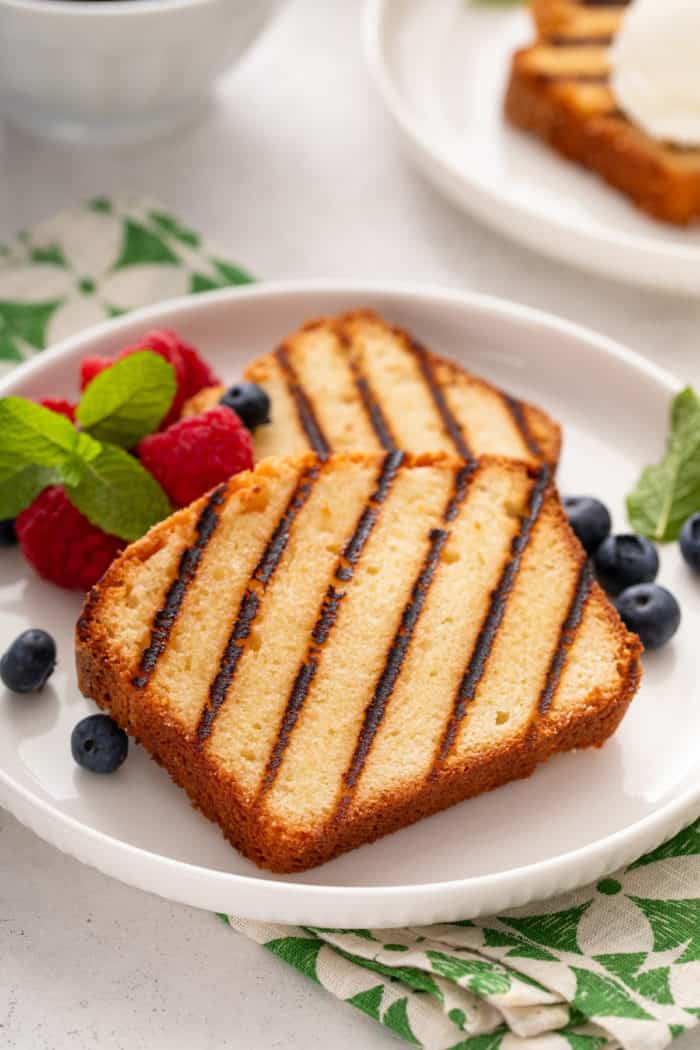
295	173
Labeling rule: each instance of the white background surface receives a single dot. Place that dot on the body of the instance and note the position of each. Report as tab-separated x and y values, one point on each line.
295	174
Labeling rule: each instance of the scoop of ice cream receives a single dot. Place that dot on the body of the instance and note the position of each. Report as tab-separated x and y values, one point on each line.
656	68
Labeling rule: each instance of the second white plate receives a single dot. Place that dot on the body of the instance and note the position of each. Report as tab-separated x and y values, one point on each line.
442	69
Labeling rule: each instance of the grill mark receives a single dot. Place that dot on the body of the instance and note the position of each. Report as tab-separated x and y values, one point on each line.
566	636
376	708
252	600
494	617
559	40
305	410
371	405
452	427
235	645
327	617
300	689
393	665
368	518
277	543
462	480
164	619
575	78
515	408
328	614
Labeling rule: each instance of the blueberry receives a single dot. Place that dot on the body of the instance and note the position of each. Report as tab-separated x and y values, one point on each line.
8	536
590	520
29	662
98	744
651	612
621	561
250	403
690	542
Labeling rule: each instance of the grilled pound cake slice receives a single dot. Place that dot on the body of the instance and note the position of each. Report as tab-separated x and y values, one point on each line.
322	651
356	383
559	90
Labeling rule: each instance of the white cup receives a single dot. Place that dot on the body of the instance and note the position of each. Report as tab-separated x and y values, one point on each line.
117	71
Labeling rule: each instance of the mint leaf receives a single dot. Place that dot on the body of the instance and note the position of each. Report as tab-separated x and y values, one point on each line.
33	434
118	495
21	488
72	468
129	400
38	447
669	492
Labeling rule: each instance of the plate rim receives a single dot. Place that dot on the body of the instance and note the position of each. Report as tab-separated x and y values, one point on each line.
318	904
629	258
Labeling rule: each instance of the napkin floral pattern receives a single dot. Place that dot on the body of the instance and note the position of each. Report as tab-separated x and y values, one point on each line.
616	964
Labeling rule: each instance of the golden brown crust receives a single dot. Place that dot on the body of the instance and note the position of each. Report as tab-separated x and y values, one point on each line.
606	143
106	678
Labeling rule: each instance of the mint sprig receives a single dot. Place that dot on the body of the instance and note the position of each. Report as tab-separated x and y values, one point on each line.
111	488
668	492
128	400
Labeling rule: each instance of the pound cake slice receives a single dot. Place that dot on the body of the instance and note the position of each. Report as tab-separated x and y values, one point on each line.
356	383
322	651
559	90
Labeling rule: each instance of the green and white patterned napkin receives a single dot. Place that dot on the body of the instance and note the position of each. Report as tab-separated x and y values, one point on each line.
615	964
97	261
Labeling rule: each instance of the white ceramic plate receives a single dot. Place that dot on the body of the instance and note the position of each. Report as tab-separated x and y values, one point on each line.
578	817
441	69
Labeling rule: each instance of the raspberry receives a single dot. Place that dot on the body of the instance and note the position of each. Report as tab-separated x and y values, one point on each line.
61	543
57	404
192	373
199	374
91	366
196	373
197	453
